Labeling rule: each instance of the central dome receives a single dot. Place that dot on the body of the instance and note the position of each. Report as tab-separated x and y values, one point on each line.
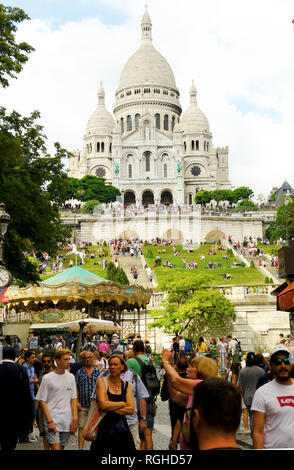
147	66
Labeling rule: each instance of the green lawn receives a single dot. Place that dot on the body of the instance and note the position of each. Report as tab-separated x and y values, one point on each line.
89	262
239	275
270	249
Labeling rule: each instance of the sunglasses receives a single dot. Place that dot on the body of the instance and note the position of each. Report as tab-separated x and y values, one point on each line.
278	361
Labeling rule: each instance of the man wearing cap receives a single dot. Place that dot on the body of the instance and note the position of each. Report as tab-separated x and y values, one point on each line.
248	379
273	405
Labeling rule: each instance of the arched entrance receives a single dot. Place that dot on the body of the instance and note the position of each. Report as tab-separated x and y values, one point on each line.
215	236
147	198
166	198
129	198
173	234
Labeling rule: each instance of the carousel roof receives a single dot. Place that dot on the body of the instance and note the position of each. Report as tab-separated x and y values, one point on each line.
74	274
77	284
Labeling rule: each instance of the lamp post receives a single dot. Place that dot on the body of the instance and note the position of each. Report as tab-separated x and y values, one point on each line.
4	221
5	276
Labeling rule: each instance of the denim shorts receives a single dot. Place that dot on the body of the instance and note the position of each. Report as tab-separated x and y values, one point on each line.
61	438
150	412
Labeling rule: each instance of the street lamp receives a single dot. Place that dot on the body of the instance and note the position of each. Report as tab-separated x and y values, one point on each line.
4	221
5	276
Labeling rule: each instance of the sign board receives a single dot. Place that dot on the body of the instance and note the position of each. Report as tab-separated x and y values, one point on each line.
33	342
3	299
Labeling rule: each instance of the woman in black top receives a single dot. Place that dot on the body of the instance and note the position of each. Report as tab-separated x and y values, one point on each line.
117	400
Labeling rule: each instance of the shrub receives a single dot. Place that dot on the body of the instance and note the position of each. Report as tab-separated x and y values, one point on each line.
252	265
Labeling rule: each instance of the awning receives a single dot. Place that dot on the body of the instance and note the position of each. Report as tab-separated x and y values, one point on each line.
285	299
46	326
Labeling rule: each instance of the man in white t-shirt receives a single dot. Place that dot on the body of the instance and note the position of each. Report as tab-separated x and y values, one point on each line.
182	344
57	396
273	405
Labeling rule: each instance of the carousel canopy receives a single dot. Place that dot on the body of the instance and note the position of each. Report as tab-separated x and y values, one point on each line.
74	285
74	274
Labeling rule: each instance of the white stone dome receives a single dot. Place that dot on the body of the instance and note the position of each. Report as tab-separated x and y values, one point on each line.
147	66
193	119
101	121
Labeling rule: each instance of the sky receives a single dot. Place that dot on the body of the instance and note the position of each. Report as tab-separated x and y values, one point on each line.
239	54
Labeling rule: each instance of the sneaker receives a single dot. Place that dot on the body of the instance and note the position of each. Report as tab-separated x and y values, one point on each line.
32	437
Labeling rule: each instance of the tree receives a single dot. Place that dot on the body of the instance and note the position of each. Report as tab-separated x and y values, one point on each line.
32	185
283	226
90	206
91	187
246	205
243	192
189	303
116	275
12	55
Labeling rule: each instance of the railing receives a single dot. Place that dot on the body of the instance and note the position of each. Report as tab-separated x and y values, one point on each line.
233	292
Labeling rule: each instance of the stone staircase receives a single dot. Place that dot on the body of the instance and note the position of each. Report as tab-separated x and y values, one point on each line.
126	262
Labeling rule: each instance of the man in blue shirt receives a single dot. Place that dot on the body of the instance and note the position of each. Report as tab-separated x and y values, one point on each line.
86	379
33	379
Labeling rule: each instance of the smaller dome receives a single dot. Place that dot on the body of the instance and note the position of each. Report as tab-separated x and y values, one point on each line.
193	119
101	121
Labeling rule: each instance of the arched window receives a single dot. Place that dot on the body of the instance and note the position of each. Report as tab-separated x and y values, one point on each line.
207	144
165	170
129	123
165	122
197	144
147	161
122	127
90	148
185	146
190	199
130	171
98	146
137	117
204	145
157	121
110	148
173	122
192	145
102	146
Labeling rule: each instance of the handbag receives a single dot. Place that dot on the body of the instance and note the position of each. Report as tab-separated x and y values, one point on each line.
95	416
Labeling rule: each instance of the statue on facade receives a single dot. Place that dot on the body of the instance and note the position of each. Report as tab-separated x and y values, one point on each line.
116	169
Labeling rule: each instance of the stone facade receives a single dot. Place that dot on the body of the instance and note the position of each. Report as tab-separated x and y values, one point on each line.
148	150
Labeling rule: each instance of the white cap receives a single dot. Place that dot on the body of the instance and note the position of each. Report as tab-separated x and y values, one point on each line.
279	348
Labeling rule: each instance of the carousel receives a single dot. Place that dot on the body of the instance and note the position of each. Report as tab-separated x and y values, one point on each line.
76	295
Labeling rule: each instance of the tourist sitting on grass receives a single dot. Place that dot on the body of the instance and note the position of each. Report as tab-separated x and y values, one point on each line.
226	276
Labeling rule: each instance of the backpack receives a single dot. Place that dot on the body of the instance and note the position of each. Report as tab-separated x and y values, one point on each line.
149	377
187	346
148	349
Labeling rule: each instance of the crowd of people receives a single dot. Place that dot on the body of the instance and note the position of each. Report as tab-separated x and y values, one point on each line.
209	388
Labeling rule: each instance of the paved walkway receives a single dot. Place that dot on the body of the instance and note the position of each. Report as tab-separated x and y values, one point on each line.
161	434
127	262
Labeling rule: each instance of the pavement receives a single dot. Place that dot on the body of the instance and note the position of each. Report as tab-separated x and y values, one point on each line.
161	434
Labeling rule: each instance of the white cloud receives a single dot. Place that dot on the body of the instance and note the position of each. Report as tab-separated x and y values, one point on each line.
236	52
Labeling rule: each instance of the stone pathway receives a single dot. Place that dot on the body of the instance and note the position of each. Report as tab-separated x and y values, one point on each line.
126	262
161	434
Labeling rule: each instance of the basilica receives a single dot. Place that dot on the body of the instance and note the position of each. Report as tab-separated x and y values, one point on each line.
148	148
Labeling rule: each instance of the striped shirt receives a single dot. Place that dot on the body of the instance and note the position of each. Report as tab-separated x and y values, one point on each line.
86	385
